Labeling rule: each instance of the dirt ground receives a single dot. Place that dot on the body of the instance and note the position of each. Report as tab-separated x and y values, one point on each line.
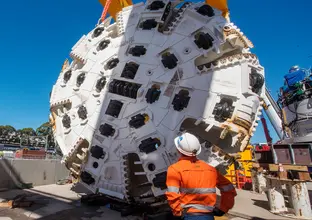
59	202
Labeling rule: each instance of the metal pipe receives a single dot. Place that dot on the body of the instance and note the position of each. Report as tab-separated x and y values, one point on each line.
254	181
262	182
272	101
300	200
259	184
272	112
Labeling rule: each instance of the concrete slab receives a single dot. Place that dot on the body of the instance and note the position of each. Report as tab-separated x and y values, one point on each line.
15	172
48	210
48	200
59	192
58	202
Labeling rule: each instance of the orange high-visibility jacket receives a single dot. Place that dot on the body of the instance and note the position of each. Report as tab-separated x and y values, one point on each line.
192	186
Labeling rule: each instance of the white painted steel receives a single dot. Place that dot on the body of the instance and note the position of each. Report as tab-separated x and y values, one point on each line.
300	200
275	196
273	115
208	76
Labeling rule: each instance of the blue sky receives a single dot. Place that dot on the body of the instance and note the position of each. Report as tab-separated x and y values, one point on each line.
36	36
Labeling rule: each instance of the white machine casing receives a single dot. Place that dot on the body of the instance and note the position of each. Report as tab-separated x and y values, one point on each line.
134	85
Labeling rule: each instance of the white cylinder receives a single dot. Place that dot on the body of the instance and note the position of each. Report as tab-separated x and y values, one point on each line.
272	113
262	182
254	180
258	182
275	196
300	200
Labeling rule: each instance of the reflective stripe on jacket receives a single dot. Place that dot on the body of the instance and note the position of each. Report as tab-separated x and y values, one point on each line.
192	185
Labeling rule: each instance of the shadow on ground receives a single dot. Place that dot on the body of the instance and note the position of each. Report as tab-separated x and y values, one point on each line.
48	206
261	203
55	201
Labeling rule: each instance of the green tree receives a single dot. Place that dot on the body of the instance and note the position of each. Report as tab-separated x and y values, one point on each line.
6	130
46	130
27	132
7	133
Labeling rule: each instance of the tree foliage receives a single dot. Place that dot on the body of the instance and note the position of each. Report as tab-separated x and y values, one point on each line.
6	130
27	132
44	130
29	136
9	134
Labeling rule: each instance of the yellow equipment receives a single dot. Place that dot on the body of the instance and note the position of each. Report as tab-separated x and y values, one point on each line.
117	5
245	161
221	5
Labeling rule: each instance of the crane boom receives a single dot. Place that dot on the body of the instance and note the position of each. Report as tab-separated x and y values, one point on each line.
118	5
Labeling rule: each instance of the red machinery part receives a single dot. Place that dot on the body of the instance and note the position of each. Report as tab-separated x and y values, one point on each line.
262	147
266	130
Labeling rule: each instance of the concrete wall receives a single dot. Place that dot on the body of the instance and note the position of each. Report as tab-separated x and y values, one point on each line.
36	172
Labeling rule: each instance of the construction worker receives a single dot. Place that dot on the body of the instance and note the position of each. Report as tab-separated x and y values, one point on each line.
192	184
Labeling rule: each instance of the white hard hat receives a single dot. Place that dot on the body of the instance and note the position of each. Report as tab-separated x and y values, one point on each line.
188	144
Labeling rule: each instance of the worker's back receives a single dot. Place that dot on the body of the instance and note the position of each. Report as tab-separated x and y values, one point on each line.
197	184
192	183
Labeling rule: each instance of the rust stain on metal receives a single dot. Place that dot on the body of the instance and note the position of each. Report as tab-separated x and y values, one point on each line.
79	147
52	121
215	149
298	191
234	127
228	31
63	102
243	123
243	133
221	153
224	132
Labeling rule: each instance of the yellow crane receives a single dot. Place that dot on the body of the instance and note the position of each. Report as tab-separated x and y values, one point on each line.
116	5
